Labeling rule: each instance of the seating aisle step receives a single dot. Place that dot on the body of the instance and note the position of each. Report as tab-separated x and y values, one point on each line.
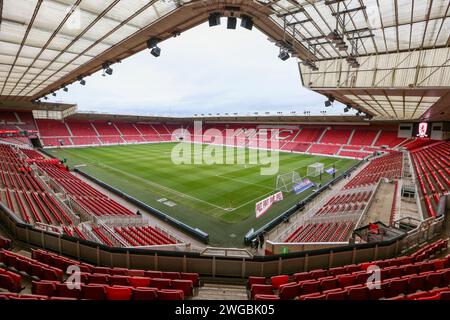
221	292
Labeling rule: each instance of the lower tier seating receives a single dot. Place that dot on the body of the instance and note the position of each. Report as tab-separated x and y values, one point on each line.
407	275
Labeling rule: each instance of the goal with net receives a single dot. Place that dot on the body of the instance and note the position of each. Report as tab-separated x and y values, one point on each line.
315	169
287	181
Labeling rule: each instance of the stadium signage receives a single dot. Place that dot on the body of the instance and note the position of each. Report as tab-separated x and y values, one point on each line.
265	204
304	185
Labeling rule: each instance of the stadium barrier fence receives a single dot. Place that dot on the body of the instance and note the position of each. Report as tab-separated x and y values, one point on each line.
218	266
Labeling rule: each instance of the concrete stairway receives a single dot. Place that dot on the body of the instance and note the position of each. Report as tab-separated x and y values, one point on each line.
221	292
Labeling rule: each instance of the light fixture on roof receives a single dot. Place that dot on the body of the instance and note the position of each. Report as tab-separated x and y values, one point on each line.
284	55
156	52
246	22
45	98
329	102
152	44
214	19
82	81
231	23
107	68
347	108
65	89
54	94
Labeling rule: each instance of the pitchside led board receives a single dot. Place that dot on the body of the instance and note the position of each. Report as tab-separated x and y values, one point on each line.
422	130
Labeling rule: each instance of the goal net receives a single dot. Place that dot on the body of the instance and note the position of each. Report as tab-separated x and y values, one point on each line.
287	181
315	169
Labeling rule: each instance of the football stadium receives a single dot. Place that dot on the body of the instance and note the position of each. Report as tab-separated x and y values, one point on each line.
313	205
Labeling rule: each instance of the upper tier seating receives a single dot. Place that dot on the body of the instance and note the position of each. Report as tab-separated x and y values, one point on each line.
309	135
105	128
81	128
336	136
52	128
127	129
388	138
363	137
146	129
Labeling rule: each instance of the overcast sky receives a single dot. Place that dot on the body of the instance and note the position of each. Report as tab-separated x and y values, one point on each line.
204	70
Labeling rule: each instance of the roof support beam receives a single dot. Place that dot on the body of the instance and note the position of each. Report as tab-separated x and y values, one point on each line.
30	25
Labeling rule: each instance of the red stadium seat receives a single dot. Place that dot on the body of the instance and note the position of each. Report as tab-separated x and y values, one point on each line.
312	296
118	293
302	276
289	291
328	283
139	281
309	286
183	285
167	294
398	286
190	276
171	275
279	280
44	288
98	278
119	281
359	292
261	289
140	293
335	294
161	283
62	290
93	291
255	280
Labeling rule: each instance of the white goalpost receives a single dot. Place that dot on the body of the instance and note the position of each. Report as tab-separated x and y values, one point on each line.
287	181
315	169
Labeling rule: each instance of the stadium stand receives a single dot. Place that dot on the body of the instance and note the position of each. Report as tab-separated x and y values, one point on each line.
98	283
336	136
431	164
363	137
388	138
338	140
388	166
408	276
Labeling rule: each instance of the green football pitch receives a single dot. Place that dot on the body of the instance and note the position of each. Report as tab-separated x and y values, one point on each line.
216	198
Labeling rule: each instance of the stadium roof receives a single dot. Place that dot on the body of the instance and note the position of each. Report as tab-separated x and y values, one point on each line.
401	47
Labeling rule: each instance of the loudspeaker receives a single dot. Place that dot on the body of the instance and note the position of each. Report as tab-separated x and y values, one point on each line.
246	22
231	23
214	19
